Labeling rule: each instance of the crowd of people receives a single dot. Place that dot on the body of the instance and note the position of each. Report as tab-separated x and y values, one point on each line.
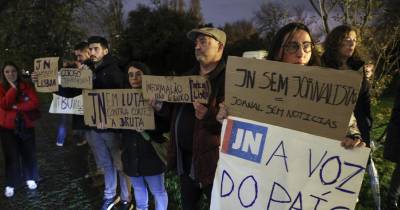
130	157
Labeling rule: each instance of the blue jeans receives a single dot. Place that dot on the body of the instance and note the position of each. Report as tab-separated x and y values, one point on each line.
62	129
107	154
157	189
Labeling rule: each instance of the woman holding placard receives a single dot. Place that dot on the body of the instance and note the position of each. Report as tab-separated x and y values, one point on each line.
18	102
140	155
293	44
341	53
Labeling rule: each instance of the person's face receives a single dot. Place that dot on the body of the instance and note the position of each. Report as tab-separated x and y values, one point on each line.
207	49
348	45
298	49
97	52
10	73
135	77
82	55
369	68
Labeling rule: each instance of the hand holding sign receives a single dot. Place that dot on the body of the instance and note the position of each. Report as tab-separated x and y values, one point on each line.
34	77
222	113
350	143
157	105
200	110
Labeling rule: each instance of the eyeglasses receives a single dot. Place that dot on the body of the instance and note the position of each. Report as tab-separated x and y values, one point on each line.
293	47
135	74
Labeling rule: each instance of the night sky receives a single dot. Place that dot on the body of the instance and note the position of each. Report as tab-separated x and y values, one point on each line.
216	11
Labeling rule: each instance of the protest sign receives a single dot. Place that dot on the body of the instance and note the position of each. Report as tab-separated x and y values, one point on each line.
314	100
266	167
47	72
76	78
62	105
183	89
117	108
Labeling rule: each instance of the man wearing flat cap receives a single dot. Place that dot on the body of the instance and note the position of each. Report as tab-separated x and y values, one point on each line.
195	132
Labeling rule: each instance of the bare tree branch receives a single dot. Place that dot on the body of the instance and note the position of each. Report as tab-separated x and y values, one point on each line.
367	14
324	15
315	7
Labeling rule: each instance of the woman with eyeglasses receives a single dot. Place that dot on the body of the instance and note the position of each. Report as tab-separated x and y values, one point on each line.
294	44
17	132
140	159
341	53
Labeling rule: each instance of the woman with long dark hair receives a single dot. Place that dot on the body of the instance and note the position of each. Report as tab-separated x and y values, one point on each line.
140	159
17	99
341	53
293	44
286	44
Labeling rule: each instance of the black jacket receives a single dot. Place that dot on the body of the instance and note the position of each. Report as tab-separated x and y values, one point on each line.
392	144
206	132
138	155
107	74
362	109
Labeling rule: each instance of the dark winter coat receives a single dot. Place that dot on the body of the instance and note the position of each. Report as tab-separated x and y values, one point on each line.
206	135
107	75
392	144
138	155
362	109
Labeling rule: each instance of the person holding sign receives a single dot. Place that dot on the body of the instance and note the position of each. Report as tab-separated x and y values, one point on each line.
293	44
106	143
195	133
341	53
81	52
139	157
17	100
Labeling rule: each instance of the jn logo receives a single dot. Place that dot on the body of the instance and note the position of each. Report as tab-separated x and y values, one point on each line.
244	140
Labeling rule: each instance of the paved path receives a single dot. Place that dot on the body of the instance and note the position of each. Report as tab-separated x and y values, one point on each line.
62	185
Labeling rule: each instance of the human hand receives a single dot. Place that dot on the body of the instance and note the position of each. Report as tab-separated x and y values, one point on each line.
200	110
157	105
11	84
349	143
101	125
139	129
34	77
222	113
83	67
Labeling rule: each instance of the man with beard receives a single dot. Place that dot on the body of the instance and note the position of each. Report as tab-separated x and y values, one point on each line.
105	143
195	132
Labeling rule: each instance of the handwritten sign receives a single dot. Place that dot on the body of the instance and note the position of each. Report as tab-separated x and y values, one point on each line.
76	78
266	167
47	71
309	99
117	108
183	89
62	105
